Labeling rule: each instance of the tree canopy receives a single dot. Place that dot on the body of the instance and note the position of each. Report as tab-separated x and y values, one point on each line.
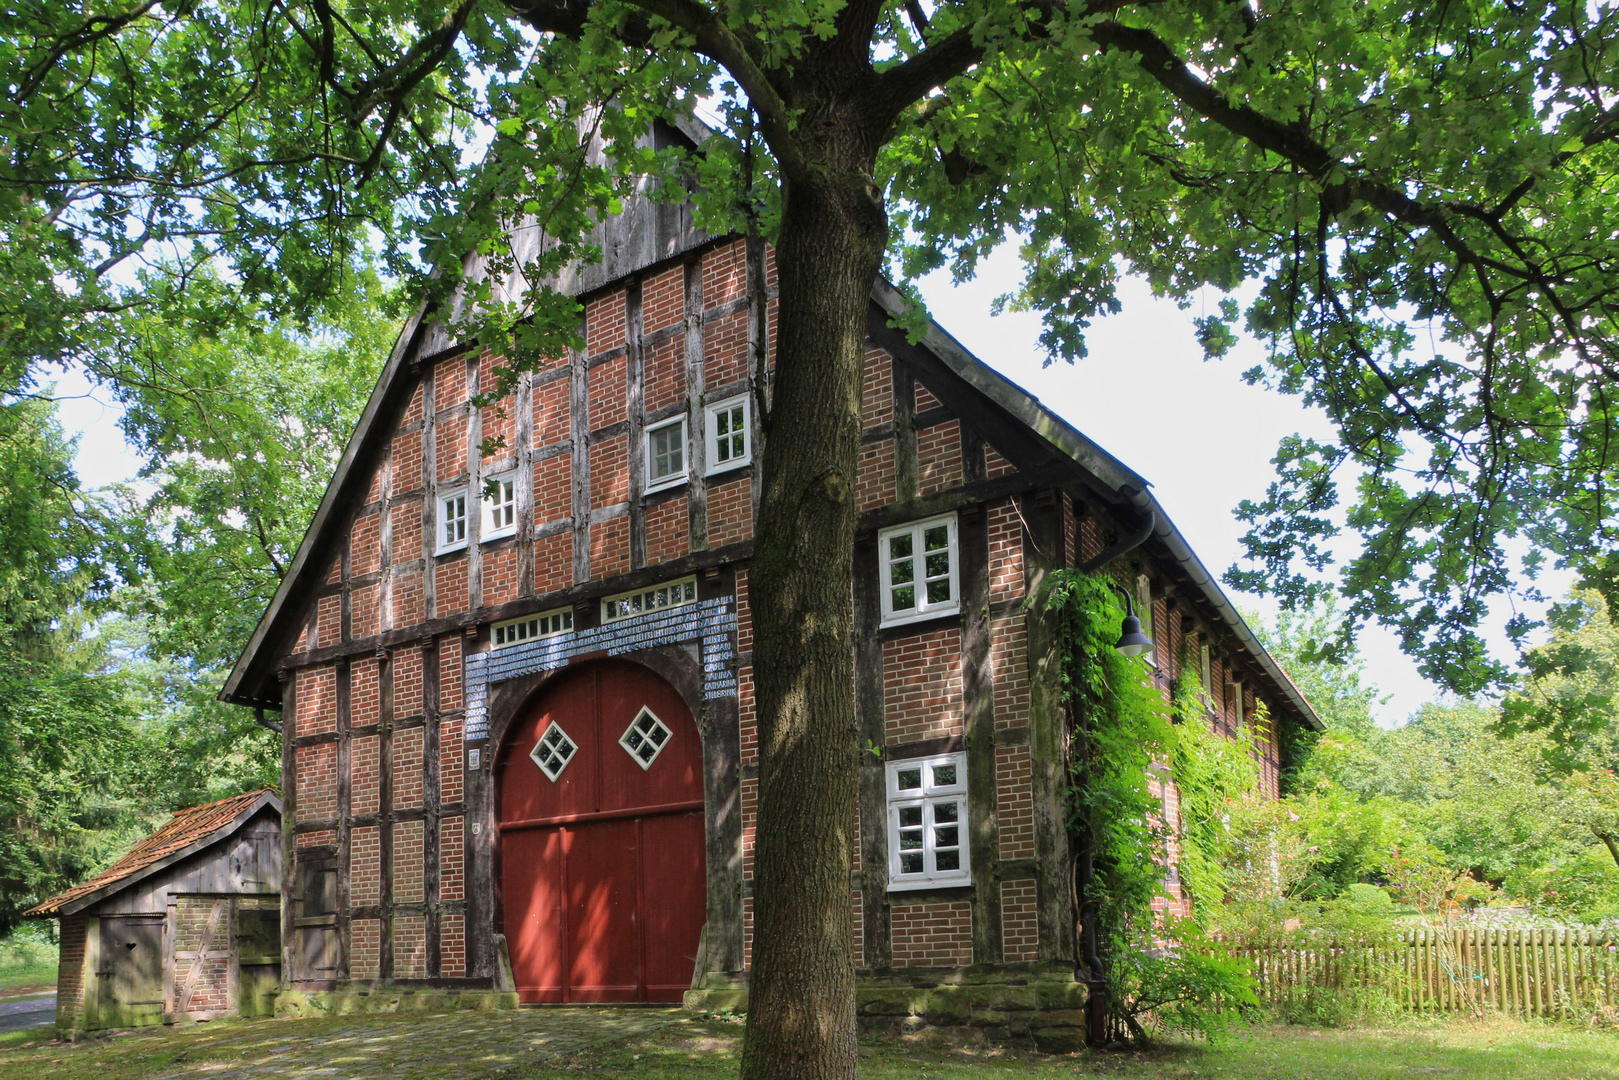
1421	195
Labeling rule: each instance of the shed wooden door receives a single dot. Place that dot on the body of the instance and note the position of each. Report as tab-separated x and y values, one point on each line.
130	973
603	875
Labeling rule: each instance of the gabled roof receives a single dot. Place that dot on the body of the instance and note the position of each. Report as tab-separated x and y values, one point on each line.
186	833
646	234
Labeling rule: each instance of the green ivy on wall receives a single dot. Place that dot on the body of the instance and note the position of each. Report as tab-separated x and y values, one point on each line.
1122	732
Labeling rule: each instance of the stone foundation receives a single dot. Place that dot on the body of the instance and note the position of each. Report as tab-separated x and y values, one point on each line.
306	1003
1044	1006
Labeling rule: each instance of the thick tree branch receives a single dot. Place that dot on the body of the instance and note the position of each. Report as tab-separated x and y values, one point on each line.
738	52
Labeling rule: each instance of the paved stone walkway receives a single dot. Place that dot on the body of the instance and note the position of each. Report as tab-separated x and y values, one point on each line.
22	1013
409	1046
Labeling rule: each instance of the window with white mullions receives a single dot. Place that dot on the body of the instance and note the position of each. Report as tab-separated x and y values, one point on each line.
919	570
452	521
927	823
553	752
726	424
500	506
666	454
645	738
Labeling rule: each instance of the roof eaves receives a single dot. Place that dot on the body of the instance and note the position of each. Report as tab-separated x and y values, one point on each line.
404	345
50	908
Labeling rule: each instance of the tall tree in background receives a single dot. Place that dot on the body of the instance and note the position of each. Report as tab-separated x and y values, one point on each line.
1571	698
1373	165
64	737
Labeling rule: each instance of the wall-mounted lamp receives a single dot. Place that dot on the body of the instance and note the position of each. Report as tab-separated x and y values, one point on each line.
1132	642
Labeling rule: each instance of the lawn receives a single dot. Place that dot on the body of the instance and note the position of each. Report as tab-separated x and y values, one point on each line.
689	1049
27	961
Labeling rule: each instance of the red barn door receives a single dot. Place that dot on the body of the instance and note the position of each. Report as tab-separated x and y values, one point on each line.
601	839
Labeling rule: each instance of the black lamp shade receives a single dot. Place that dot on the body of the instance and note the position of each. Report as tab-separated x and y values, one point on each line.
1132	642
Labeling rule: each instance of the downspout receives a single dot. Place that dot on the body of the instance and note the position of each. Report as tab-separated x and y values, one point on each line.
1085	852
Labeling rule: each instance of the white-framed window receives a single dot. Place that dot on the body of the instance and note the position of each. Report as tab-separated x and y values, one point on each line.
919	568
725	424
645	738
531	627
553	752
639	601
666	454
499	506
452	520
927	823
1234	695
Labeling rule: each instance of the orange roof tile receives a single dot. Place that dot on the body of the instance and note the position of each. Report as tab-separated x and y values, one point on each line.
184	829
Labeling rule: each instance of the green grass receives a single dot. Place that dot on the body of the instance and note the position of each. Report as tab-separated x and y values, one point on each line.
697	1050
27	959
1463	1050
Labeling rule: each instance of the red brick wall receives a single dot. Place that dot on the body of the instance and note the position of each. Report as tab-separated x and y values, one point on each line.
877	390
407	768
365	865
317	781
933	935
410	947
609	395
663	299
407	863
452	946
1014	801
70	970
667	533
1010	663
875	483
365	948
364	767
1020	931
730	512
922	686
938	457
451	855
207	976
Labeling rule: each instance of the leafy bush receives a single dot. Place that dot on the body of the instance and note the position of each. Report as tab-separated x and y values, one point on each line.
1195	987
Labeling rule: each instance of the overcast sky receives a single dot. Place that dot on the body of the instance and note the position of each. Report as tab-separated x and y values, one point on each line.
1190	427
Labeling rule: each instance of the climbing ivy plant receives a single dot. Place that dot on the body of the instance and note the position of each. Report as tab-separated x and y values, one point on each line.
1152	968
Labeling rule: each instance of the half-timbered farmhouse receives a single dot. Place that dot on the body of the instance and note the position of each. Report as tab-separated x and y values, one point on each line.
520	748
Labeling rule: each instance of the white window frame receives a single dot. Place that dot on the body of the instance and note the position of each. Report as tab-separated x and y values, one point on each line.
442	519
673	479
661	597
711	415
923	609
929	797
1235	695
544	624
491	530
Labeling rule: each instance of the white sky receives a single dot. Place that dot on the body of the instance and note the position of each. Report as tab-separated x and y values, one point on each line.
1191	427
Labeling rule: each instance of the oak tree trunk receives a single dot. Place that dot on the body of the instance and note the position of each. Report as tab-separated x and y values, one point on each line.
801	1018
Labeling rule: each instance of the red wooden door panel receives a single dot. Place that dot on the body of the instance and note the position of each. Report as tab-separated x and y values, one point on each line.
534	911
603	876
674	898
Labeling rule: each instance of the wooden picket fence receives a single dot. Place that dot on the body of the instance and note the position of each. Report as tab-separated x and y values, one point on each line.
1563	972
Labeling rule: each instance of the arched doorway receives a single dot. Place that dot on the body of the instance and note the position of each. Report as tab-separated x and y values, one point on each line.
603	876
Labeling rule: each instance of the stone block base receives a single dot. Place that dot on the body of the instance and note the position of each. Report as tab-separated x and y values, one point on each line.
1042	1007
304	1003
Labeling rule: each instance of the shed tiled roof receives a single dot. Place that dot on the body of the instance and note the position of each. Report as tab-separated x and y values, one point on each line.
186	828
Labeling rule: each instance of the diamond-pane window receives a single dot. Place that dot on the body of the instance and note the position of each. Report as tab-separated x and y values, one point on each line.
553	752
645	738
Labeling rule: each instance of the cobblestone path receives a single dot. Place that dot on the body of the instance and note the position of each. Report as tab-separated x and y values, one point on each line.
406	1046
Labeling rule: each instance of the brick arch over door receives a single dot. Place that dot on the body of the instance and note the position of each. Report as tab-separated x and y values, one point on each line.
602	869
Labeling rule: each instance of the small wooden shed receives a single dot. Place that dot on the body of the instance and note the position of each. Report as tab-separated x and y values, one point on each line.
187	926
